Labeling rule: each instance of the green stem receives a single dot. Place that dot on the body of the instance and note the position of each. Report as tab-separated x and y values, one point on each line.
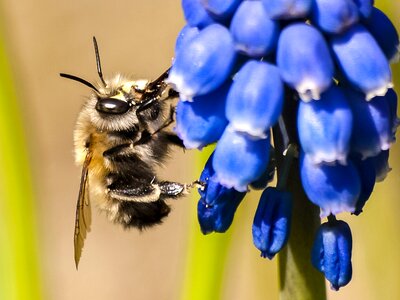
297	277
19	278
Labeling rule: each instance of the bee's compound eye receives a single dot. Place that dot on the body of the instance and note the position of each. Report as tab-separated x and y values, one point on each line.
112	106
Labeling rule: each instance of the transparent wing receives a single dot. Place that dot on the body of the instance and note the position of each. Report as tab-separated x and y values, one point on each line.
83	211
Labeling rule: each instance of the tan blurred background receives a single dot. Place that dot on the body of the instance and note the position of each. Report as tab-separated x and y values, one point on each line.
137	37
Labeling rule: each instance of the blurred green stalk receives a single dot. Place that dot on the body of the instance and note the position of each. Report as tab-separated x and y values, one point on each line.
19	279
206	254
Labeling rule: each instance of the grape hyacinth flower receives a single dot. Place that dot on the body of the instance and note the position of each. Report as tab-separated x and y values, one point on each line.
312	75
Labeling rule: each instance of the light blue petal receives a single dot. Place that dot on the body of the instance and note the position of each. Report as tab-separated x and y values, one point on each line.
195	14
334	188
254	33
239	159
304	60
325	127
362	62
256	98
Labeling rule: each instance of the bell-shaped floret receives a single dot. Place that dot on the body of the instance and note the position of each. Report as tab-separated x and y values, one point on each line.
202	121
204	64
195	14
325	127
304	60
371	127
384	32
334	188
268	175
362	62
381	164
287	9
271	223
185	35
255	100
239	159
331	253
221	9
218	204
254	33
364	7
334	16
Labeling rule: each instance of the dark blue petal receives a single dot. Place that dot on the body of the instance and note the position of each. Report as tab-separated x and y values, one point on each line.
185	35
391	99
334	16
331	253
334	188
253	32
364	7
218	204
304	60
287	9
240	159
362	61
268	175
255	100
325	127
202	121
366	170
371	128
221	9
384	32
381	164
271	223
195	14
204	64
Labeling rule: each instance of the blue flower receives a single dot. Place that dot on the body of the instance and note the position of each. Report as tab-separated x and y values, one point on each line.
287	9
205	64
271	223
195	14
239	159
331	253
304	60
221	9
325	127
361	61
218	204
253	32
255	100
196	124
334	188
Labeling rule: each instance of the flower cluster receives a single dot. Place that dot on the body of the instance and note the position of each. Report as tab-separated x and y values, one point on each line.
240	64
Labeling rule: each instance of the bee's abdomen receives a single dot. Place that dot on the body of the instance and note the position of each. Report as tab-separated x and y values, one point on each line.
142	214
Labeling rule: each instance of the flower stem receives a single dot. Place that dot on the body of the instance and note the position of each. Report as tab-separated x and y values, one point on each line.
298	279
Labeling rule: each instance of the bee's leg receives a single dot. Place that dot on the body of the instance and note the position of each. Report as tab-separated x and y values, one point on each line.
175	140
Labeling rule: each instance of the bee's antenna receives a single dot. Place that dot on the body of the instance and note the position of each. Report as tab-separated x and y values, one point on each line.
96	51
81	80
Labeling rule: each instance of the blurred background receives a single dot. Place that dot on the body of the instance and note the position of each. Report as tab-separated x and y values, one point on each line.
37	205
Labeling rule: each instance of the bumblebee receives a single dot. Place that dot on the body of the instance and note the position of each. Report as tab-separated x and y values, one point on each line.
120	137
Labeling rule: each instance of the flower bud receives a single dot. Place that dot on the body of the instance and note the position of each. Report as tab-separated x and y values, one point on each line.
287	9
364	7
385	34
218	204
334	16
254	33
195	14
331	253
271	223
240	159
304	60
381	164
362	62
334	188
325	127
255	100
205	63
202	121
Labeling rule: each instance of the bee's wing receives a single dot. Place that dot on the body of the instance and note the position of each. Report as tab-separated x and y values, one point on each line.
83	211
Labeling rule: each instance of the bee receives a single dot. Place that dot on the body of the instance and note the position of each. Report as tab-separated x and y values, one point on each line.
120	137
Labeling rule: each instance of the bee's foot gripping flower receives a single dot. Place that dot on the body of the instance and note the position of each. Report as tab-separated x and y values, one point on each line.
316	73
